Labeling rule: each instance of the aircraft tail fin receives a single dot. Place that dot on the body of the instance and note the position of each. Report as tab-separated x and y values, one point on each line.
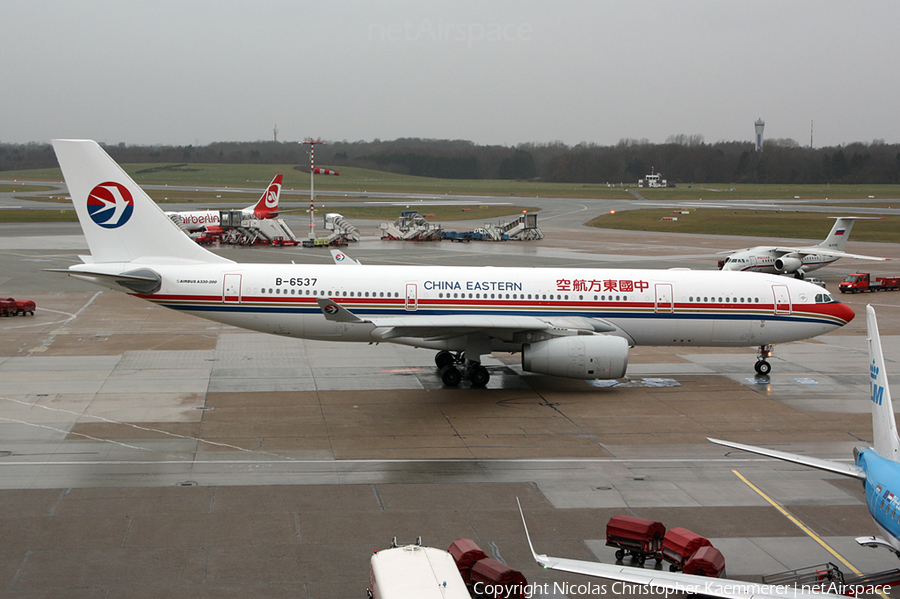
120	221
267	206
839	234
884	424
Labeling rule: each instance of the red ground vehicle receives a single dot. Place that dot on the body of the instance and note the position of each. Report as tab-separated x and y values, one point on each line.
466	553
639	537
707	561
8	306
498	577
861	281
679	545
25	307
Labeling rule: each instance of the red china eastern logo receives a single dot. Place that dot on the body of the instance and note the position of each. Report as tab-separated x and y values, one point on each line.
331	309
110	205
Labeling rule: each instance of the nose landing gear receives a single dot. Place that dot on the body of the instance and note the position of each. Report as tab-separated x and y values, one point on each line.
762	366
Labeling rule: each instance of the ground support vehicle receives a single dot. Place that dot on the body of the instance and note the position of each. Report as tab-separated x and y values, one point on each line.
861	281
679	545
466	553
7	306
495	580
638	537
706	561
24	307
414	571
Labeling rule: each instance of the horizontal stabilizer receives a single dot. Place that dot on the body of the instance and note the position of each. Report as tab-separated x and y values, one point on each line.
835	467
142	281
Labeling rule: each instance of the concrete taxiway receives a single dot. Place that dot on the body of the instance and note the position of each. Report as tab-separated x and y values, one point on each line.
144	453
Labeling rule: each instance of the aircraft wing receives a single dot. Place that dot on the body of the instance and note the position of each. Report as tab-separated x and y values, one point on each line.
671	581
835	467
824	252
448	326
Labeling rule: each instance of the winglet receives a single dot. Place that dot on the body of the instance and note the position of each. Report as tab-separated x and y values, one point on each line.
335	312
884	424
542	560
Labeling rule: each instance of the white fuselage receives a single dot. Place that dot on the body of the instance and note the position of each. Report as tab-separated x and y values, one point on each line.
646	307
762	259
197	220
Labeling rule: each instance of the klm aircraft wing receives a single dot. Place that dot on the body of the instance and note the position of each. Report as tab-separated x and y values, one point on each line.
828	466
671	581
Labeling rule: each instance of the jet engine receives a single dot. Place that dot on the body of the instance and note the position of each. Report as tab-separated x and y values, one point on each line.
578	357
788	264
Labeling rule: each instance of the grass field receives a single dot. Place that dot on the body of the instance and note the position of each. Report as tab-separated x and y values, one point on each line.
37	216
362	180
711	221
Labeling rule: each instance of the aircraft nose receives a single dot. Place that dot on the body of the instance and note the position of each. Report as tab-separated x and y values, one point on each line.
842	311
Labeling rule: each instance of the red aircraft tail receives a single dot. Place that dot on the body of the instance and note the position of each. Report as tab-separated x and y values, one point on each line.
267	206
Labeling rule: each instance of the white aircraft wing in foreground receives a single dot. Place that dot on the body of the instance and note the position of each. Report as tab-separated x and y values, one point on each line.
675	582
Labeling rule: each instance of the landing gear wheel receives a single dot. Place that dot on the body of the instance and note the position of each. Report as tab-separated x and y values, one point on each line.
762	367
479	376
443	358
451	376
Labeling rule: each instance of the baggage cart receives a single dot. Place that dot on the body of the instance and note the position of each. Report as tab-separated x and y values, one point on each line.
7	306
679	545
638	537
25	307
504	581
706	561
466	553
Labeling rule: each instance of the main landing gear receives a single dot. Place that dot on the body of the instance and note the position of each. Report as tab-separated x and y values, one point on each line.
451	375
762	365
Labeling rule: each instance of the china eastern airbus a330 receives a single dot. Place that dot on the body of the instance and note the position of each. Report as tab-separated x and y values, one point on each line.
568	322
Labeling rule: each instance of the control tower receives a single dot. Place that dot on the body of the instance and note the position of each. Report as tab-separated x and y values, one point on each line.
760	125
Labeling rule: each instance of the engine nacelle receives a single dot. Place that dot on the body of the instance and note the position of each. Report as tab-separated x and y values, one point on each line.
788	264
578	357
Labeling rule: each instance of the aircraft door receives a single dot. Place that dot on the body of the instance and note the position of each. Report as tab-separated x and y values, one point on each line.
782	299
664	298
412	301
752	261
231	289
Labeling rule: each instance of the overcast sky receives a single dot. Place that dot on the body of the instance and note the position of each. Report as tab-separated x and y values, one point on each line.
494	72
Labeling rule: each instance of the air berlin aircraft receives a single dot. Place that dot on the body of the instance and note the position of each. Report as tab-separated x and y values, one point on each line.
266	207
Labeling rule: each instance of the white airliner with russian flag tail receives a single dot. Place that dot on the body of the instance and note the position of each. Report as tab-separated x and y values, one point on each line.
798	261
568	322
201	220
